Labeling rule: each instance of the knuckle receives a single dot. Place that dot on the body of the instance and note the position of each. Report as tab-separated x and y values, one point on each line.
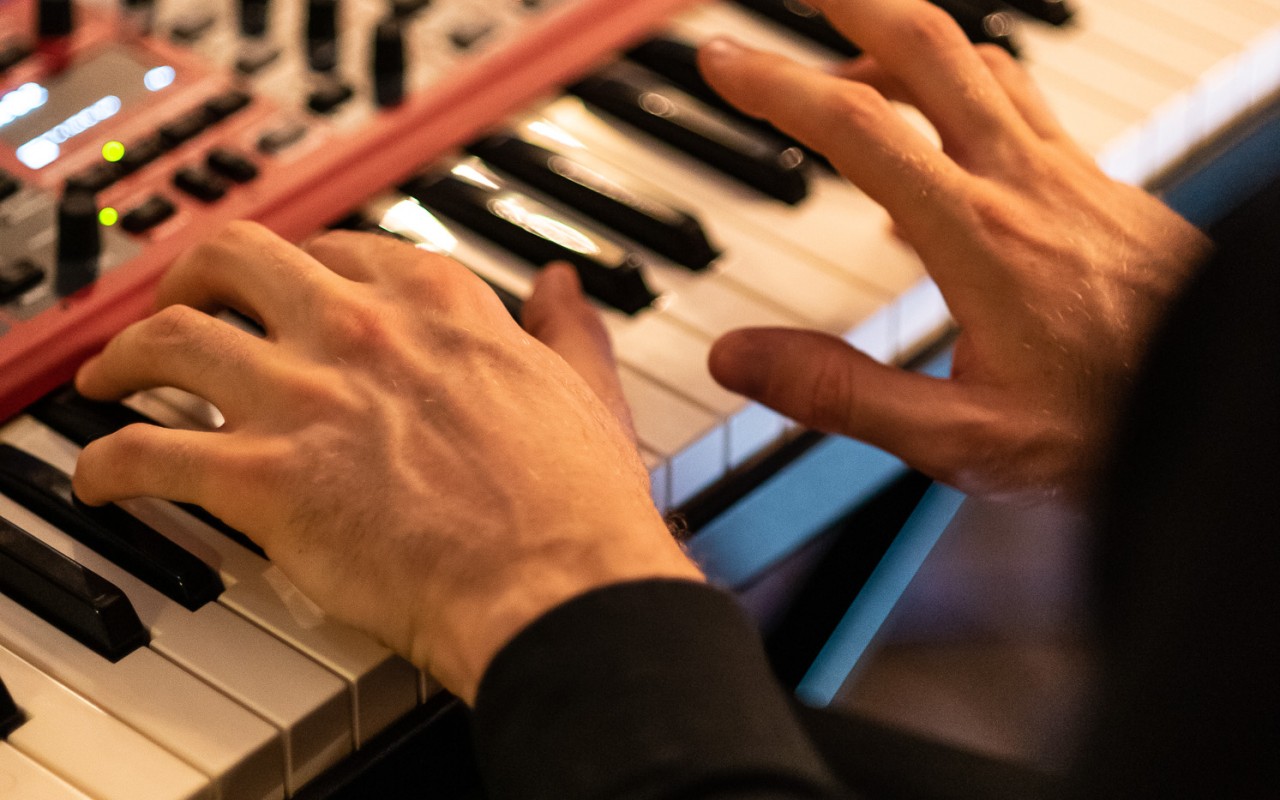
171	327
832	395
857	104
357	325
929	27
995	57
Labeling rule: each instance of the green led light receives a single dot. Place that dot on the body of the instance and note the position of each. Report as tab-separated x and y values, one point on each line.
108	216
113	151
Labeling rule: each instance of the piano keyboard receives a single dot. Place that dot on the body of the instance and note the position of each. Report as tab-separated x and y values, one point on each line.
254	693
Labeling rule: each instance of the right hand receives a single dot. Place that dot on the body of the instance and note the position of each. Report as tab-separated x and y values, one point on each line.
1055	273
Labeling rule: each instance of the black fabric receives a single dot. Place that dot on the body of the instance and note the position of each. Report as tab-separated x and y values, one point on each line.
660	689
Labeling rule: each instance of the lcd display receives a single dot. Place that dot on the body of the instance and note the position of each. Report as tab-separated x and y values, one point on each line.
39	119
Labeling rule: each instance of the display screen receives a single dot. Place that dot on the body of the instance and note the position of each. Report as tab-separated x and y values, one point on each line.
39	119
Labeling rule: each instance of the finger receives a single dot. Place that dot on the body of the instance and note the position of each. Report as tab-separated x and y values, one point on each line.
919	44
187	349
822	382
558	315
1026	96
147	461
248	268
347	253
853	125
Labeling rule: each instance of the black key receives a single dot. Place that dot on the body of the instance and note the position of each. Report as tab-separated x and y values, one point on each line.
224	105
10	716
677	61
67	595
1054	12
97	177
17	277
274	141
980	25
666	230
9	186
81	420
141	153
154	559
12	53
805	20
201	184
184	128
480	200
640	98
152	212
326	98
232	165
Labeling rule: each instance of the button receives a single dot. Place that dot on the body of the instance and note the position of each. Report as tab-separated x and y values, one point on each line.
200	184
11	53
322	34
185	127
328	97
148	215
9	186
230	164
273	142
95	178
141	153
464	37
17	277
224	105
191	27
255	57
79	241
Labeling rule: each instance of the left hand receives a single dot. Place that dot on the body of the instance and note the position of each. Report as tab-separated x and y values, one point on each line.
415	462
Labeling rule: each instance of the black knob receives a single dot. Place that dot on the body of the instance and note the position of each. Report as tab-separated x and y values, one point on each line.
55	18
388	63
253	17
79	241
322	34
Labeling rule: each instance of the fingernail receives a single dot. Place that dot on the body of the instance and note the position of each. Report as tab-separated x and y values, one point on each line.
722	50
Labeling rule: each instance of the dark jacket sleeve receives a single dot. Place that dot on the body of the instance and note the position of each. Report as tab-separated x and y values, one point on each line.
656	689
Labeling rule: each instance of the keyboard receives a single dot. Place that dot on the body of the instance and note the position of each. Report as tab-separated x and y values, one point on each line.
194	669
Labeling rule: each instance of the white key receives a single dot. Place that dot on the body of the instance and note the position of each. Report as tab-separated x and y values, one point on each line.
90	749
225	741
310	705
20	777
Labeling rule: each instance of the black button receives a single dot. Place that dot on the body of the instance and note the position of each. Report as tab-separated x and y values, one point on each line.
224	105
230	164
200	184
95	178
184	127
11	53
9	186
141	153
253	60
273	142
191	27
148	215
17	277
327	98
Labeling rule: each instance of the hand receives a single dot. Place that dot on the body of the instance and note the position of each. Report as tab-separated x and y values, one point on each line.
414	461
1054	273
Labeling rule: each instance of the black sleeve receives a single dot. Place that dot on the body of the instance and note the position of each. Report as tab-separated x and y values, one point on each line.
655	689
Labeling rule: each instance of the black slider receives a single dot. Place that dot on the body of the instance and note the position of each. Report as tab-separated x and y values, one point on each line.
67	595
805	20
322	34
79	241
151	557
253	18
480	200
640	98
388	62
982	26
666	230
55	18
81	420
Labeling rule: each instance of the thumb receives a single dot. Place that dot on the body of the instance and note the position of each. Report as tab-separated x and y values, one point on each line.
821	382
558	315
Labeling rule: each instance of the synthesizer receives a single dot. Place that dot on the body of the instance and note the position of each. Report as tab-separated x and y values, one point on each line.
179	663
